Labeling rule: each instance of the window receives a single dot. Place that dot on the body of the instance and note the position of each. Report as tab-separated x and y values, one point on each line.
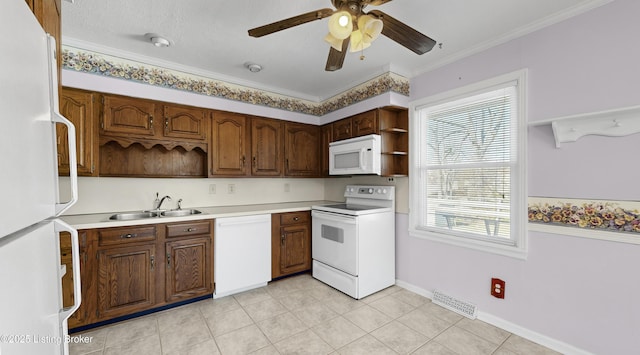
467	172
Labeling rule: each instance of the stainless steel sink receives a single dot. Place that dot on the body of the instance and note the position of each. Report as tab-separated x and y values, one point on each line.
133	215
179	213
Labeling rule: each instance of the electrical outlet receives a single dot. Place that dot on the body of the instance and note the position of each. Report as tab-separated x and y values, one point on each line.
231	188
497	288
287	187
212	189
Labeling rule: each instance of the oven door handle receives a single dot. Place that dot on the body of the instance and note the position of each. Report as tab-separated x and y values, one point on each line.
333	217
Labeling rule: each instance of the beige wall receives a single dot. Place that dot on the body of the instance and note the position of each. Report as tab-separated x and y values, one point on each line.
103	195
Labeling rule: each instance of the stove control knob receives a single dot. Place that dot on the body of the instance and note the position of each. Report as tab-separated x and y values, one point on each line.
370	191
351	189
379	191
384	191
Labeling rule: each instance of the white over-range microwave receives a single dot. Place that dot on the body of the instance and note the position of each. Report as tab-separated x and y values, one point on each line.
360	155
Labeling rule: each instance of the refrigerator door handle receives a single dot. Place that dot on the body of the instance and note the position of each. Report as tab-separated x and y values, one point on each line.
65	313
56	117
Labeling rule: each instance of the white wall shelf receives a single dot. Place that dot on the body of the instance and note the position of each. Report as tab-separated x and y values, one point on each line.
612	123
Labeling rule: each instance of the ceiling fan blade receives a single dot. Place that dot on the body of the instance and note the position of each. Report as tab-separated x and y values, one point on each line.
376	2
290	22
336	57
403	34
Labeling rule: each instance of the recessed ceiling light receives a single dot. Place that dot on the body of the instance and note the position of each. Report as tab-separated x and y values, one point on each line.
158	40
253	67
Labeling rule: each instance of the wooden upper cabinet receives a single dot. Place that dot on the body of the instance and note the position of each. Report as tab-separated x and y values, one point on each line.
301	144
342	129
129	116
326	137
356	126
229	144
185	122
80	108
365	123
48	13
266	147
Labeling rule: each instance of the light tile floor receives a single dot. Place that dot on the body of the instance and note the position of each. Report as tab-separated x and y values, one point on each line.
300	315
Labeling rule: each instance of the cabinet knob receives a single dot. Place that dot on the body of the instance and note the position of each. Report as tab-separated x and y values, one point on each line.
128	236
282	238
190	229
296	219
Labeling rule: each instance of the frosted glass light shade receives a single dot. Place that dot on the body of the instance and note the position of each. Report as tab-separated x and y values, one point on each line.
340	24
357	42
370	27
336	43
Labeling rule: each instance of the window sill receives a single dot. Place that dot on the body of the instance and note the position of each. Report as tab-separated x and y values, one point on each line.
481	245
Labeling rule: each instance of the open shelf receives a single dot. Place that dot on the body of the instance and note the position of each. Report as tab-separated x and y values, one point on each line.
394	132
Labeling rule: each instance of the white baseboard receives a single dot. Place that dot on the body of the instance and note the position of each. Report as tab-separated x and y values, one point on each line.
528	334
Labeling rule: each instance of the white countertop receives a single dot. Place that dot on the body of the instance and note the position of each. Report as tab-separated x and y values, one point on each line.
101	220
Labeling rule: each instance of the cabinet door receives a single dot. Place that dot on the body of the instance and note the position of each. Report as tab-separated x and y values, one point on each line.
229	144
266	147
301	143
126	115
295	248
78	107
48	13
326	137
126	280
185	122
188	272
365	123
342	129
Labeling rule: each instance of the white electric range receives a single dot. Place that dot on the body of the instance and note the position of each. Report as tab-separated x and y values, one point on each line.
353	243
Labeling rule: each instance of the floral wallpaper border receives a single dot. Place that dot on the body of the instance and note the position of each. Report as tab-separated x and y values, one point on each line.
101	64
622	217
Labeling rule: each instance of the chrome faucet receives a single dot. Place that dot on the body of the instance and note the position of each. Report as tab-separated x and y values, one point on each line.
162	200
180	204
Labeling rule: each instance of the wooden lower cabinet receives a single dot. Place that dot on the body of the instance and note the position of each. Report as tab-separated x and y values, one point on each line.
189	261
126	280
290	243
126	270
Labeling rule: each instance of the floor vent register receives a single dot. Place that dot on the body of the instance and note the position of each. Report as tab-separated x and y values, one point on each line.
464	308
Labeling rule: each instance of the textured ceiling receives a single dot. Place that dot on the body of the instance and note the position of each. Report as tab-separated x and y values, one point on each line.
210	37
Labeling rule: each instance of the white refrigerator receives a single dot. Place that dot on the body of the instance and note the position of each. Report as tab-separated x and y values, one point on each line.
32	318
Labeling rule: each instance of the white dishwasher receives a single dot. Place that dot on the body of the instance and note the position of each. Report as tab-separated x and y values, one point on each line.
242	253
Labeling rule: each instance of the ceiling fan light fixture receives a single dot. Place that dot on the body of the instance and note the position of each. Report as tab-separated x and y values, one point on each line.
340	24
357	42
370	27
334	42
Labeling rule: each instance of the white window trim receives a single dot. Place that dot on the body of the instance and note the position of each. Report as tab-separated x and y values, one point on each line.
519	219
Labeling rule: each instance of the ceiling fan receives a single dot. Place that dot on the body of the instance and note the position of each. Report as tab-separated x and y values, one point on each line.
349	25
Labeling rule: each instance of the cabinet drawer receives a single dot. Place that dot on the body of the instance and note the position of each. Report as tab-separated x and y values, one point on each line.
186	229
294	217
118	236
